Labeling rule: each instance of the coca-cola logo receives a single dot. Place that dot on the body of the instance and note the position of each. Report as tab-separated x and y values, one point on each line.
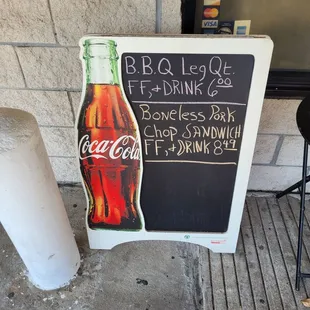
124	147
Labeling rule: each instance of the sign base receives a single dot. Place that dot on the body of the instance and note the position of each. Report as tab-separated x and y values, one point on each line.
109	239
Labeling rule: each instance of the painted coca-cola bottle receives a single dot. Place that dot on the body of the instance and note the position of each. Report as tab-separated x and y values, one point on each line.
108	142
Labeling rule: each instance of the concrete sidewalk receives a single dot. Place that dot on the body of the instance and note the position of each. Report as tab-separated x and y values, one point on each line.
170	275
142	275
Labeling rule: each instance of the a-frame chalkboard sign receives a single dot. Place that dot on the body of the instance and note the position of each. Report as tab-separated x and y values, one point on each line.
166	134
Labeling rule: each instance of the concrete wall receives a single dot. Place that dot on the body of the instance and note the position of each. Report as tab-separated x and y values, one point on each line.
39	66
279	147
41	73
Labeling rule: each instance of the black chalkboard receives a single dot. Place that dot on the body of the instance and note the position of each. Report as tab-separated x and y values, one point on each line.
190	109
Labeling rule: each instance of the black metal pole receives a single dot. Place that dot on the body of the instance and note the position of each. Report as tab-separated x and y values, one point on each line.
291	188
301	216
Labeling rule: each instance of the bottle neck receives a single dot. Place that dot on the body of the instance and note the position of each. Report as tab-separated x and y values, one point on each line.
100	58
101	71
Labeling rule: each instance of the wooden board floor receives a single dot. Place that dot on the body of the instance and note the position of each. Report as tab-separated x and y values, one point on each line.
261	275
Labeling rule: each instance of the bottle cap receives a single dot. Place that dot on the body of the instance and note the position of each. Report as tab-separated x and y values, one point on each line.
98	47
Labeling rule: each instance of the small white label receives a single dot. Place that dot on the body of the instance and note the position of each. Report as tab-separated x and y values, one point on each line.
209	23
218	241
212	2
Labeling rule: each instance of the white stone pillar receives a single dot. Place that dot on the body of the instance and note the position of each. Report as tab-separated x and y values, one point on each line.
31	209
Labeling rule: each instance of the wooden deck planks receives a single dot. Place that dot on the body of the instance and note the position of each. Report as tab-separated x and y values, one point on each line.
287	248
261	274
243	278
259	292
230	279
278	263
218	288
206	279
265	263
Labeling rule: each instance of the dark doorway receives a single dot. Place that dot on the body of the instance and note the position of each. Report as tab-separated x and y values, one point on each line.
188	9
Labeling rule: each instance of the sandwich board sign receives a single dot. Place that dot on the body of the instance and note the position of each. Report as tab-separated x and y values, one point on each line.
166	134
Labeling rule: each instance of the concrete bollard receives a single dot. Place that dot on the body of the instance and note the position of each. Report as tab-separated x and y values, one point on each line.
31	208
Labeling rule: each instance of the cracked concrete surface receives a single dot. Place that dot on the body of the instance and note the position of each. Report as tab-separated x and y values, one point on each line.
152	275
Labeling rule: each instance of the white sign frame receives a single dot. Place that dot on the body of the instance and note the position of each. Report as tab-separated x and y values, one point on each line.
261	48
